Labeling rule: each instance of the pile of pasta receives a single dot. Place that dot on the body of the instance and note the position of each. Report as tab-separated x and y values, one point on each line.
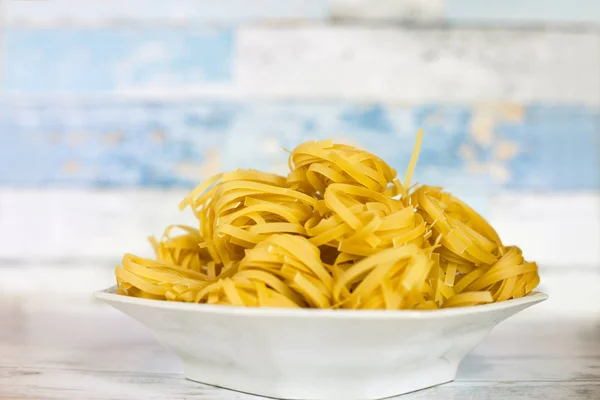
340	231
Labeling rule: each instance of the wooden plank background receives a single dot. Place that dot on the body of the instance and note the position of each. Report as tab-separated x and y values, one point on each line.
110	112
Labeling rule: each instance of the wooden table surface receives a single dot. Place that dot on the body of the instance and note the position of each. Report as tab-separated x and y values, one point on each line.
56	346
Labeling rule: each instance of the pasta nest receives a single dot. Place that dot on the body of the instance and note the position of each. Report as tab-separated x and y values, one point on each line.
283	270
315	165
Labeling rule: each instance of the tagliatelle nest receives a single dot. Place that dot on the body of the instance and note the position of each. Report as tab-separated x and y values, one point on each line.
340	231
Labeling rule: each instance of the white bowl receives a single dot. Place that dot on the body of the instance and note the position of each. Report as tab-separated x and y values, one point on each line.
318	354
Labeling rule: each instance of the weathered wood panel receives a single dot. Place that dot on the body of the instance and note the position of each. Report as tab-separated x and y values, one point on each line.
429	11
173	12
478	149
79	61
523	12
36	383
179	12
66	225
517	13
402	65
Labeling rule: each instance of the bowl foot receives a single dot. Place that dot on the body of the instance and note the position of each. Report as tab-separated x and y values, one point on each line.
303	386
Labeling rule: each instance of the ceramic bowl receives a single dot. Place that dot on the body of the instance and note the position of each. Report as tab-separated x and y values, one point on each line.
313	354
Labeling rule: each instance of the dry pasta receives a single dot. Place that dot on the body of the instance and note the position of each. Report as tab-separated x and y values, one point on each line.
340	231
315	165
283	270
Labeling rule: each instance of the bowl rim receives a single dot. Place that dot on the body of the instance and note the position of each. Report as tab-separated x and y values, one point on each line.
109	295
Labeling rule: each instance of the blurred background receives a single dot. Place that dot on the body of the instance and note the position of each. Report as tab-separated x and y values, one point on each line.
111	111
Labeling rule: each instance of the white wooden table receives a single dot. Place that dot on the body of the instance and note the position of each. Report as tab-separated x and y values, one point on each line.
69	347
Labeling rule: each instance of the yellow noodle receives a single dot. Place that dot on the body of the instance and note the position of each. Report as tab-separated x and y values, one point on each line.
469	298
157	278
410	261
413	160
182	250
340	231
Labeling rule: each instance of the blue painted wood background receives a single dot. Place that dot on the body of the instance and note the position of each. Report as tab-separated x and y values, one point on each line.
64	120
170	144
104	60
